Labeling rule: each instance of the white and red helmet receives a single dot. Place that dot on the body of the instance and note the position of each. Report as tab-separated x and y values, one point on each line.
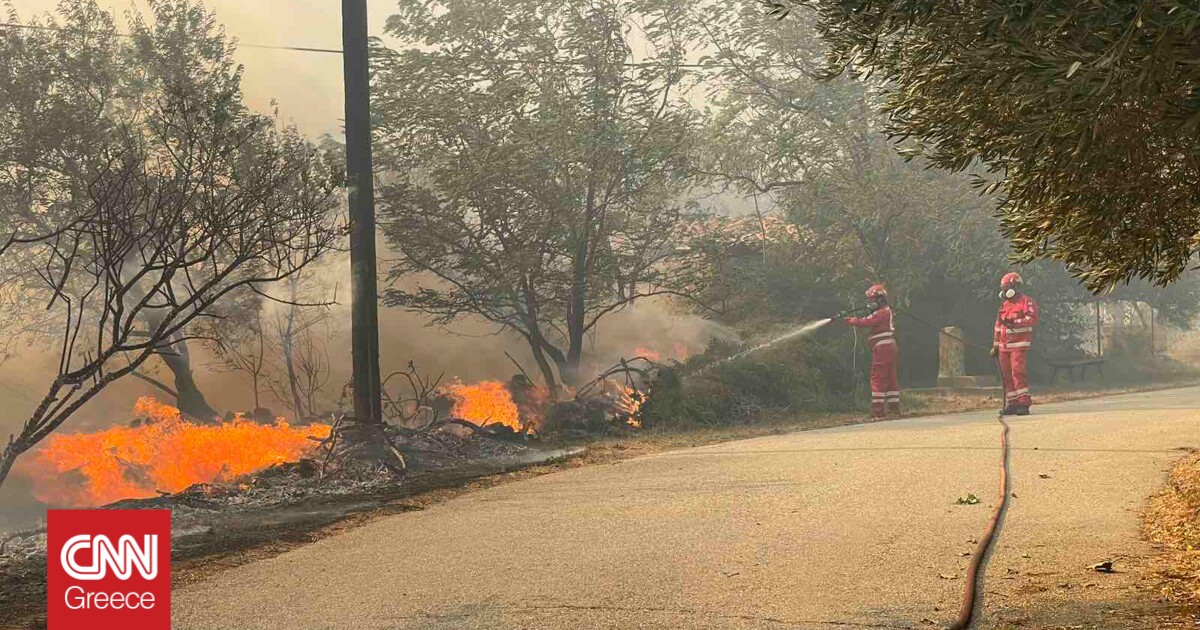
1010	285
877	291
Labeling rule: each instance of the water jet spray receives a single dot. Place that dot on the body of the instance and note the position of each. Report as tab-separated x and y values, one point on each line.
799	331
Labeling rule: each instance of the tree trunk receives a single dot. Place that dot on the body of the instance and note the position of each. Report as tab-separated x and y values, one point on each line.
577	308
287	339
174	353
547	370
537	343
7	458
190	400
575	323
254	382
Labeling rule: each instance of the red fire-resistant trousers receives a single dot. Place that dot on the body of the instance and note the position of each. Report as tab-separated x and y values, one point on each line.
885	387
1016	385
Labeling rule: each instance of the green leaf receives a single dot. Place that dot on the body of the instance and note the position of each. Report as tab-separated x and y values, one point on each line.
970	499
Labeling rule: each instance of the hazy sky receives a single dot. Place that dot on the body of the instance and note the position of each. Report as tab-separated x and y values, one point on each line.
307	86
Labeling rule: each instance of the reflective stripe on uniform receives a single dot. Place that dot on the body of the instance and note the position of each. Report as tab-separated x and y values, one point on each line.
884	342
1017	393
881	335
1018	344
1021	330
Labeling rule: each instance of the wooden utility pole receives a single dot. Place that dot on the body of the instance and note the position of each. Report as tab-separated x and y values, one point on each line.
1153	349
364	307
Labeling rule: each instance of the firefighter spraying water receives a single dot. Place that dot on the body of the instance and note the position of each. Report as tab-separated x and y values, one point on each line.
1011	340
885	354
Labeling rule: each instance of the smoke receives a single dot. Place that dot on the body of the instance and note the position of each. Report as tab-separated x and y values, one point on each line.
471	349
306	89
305	86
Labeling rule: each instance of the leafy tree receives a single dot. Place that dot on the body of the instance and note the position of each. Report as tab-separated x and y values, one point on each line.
536	163
816	151
140	194
1086	111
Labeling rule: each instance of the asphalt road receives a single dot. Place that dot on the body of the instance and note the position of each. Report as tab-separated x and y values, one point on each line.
853	527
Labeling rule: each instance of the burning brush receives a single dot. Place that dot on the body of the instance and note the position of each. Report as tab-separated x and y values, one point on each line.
160	452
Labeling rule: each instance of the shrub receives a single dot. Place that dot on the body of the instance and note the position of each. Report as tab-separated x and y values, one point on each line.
813	374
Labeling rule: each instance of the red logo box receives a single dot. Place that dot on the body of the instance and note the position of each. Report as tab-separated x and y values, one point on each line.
108	569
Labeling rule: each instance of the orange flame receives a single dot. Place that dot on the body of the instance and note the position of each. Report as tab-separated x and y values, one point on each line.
165	453
678	352
653	355
486	402
631	403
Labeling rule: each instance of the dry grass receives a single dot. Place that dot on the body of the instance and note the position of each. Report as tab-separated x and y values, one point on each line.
1172	520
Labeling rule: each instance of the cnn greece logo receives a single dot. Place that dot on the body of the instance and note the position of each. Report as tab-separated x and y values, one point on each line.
109	569
122	558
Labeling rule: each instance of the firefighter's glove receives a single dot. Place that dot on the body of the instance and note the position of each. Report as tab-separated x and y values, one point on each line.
994	351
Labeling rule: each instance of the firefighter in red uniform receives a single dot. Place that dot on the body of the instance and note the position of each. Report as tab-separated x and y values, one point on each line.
885	387
1011	342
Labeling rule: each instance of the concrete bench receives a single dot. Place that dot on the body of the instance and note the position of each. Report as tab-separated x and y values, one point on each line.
1071	365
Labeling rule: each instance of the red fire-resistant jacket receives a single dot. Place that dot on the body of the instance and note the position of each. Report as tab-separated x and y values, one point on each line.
1015	322
879	324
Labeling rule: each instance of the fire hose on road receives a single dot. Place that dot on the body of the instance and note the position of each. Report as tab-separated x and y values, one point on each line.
971	593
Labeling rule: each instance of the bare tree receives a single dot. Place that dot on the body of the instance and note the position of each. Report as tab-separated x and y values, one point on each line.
245	350
297	337
140	193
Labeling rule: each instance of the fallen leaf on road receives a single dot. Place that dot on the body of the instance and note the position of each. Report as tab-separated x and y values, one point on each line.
1044	476
970	499
947	577
1103	567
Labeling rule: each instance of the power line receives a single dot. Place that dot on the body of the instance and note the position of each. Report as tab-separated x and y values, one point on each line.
510	62
36	27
